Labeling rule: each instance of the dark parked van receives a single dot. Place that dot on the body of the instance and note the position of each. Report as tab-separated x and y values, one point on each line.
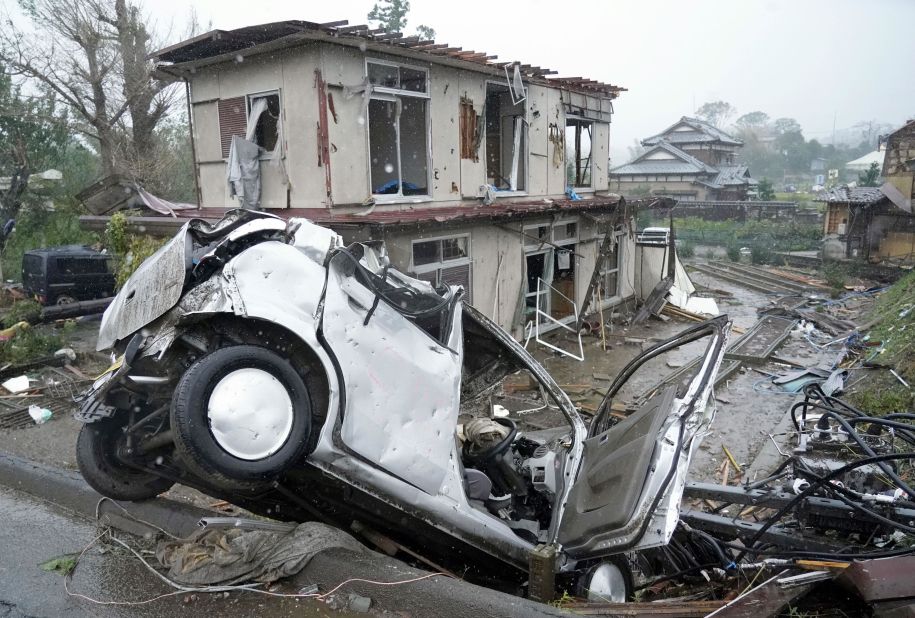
59	275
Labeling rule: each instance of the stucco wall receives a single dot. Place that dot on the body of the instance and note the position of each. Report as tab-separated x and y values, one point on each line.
292	71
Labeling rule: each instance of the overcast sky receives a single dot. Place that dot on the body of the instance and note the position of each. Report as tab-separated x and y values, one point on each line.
813	60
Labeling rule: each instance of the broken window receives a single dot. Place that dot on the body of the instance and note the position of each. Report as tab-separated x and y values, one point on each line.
444	261
506	140
398	130
263	119
386	76
578	152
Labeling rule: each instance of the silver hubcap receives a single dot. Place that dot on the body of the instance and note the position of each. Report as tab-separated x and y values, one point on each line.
250	414
607	584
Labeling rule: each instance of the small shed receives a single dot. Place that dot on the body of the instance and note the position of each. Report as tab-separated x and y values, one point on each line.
867	225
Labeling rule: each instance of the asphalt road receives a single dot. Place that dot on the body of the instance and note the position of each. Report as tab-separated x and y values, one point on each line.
32	531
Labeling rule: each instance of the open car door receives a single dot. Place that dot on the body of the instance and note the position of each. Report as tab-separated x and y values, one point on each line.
627	492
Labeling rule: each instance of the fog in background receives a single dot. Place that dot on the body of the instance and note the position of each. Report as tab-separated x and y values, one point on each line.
818	61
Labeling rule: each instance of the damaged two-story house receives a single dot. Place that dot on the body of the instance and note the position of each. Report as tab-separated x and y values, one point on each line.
474	172
691	160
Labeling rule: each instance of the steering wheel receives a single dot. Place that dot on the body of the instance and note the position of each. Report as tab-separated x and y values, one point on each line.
484	456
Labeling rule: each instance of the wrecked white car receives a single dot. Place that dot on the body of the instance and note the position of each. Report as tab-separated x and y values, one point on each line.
261	361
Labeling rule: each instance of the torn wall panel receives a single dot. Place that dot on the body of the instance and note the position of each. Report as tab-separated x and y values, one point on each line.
555	118
444	118
306	179
472	172
349	158
600	153
538	135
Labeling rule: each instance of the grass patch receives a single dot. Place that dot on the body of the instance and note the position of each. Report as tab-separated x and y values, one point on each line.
20	311
33	342
686	249
30	342
894	327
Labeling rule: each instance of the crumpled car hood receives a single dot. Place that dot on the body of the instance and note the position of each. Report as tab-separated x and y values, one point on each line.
152	290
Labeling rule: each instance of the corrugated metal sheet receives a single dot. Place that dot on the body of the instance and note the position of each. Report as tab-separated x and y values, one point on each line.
222	42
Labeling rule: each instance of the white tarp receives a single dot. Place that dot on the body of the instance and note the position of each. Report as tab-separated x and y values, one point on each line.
651	267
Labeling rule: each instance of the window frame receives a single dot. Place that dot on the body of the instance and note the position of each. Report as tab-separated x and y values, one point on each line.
582	120
525	126
602	272
398	91
383	93
441	263
267	155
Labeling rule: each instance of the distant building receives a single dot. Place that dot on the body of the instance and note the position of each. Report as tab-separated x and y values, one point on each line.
861	222
818	165
691	160
899	166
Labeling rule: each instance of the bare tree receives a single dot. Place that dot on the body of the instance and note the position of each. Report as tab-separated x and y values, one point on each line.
716	112
92	54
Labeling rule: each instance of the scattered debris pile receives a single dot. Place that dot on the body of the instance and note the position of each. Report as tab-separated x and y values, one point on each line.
45	392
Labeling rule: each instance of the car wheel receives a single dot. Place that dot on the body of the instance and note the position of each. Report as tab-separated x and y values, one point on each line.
64	299
609	581
97	457
241	416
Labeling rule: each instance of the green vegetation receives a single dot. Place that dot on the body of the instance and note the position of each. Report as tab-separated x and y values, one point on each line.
882	397
766	192
29	343
131	249
37	228
686	249
21	311
871	177
894	330
733	251
761	254
836	274
895	327
767	236
62	565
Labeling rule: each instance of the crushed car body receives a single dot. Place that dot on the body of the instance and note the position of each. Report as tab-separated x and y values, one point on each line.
262	360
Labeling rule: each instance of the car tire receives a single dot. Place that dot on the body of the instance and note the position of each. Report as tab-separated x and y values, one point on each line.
241	416
96	456
64	299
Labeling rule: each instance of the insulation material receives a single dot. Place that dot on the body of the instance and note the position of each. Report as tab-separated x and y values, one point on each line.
702	306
